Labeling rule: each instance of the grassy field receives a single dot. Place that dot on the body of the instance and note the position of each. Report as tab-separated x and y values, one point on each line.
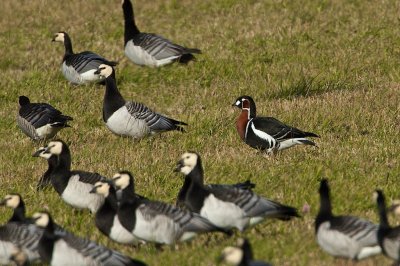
330	67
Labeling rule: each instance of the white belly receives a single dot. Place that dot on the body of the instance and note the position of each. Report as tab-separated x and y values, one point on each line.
120	234
77	194
47	131
63	255
123	123
159	229
74	77
6	250
141	57
224	214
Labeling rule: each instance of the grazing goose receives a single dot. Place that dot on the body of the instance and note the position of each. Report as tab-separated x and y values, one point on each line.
15	202
40	120
148	49
154	221
344	236
79	68
242	255
388	237
73	186
267	133
52	160
64	248
107	218
131	119
226	207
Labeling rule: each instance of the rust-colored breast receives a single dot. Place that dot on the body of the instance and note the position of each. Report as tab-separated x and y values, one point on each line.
241	124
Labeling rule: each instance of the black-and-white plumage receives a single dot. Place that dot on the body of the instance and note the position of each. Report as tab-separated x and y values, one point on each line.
344	236
18	235
107	215
64	248
227	207
79	68
131	119
388	237
267	133
73	186
148	49
52	160
242	255
154	221
40	120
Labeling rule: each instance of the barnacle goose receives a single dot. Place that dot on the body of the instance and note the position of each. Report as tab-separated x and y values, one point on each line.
131	119
73	186
18	235
40	120
79	68
106	218
344	236
154	221
52	160
15	202
227	207
388	237
149	49
242	255
64	248
267	133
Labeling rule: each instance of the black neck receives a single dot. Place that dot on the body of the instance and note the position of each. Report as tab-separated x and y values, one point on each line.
111	199
113	99
68	45
19	213
128	193
383	220
197	174
325	210
61	173
130	26
46	243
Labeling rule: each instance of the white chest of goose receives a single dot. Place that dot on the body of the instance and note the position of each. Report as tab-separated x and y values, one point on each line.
107	220
73	186
79	68
131	119
225	206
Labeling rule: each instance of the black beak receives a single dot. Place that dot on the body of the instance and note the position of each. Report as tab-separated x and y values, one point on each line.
38	152
179	166
2	203
93	190
220	259
97	72
393	207
234	104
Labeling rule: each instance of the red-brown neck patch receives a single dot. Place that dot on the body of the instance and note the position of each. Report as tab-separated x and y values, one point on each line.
245	104
241	123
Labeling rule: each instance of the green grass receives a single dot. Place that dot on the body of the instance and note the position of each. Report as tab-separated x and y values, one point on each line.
330	67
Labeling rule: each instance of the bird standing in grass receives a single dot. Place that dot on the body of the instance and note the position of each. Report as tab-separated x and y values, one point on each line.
131	119
344	236
148	49
226	206
79	68
40	121
267	133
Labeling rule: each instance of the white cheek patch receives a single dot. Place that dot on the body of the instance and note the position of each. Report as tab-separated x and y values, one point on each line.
237	103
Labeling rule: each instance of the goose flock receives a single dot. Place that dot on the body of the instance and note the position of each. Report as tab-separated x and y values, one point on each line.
132	219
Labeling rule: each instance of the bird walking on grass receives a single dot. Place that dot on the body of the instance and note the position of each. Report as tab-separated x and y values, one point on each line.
267	133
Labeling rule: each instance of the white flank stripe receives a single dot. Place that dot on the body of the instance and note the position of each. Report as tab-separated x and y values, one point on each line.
290	142
263	135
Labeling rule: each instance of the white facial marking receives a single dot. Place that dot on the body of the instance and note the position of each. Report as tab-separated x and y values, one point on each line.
41	219
55	147
105	70
12	201
102	188
189	162
43	154
232	255
238	103
375	195
121	180
59	37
